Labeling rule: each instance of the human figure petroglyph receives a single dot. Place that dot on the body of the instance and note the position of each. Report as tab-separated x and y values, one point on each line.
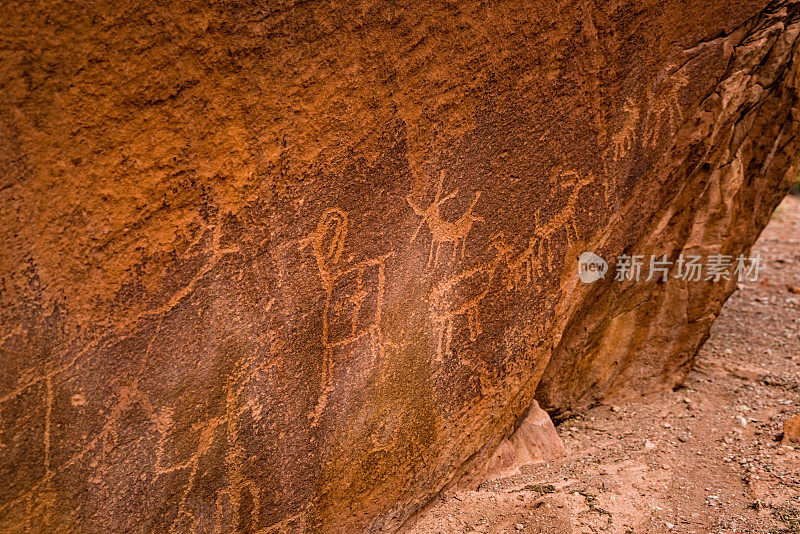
442	231
208	237
220	432
347	289
333	221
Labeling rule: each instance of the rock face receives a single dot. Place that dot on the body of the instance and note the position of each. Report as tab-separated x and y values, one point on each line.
791	430
300	267
534	441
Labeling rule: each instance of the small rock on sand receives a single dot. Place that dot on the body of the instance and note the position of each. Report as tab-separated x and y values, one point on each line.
791	430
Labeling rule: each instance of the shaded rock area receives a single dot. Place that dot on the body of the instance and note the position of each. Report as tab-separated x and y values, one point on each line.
533	441
304	266
705	458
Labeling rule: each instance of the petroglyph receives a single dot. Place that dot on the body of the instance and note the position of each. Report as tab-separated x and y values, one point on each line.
664	107
570	184
353	295
209	245
453	232
459	296
663	111
622	141
523	267
293	523
209	434
129	395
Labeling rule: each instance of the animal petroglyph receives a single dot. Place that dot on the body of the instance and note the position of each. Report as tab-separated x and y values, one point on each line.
522	267
353	295
665	107
442	231
663	110
569	186
461	295
622	141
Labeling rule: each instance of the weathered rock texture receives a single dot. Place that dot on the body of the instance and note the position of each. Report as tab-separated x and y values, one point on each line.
534	441
299	266
791	430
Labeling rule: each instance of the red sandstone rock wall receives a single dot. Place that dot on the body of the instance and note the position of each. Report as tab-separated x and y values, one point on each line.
298	267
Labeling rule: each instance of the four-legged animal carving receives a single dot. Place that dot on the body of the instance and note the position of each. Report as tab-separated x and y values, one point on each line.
442	231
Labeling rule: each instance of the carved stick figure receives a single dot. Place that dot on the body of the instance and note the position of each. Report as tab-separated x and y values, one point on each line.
349	287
